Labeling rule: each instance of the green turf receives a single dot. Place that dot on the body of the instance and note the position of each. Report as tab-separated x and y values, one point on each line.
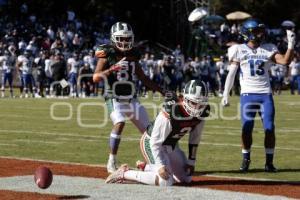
27	130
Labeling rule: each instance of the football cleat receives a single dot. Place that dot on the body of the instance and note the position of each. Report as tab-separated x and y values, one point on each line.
117	176
111	165
245	165
270	168
140	165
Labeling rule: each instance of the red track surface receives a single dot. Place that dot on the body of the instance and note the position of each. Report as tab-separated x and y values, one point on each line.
15	167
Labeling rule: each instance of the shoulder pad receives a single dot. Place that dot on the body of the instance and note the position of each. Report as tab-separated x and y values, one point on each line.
102	51
232	51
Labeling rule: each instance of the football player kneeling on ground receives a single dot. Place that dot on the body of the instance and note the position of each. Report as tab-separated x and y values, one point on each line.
166	163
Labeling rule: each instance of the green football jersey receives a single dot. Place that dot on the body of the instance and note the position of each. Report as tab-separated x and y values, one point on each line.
121	83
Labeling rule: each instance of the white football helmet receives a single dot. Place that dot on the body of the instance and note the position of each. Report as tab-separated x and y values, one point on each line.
195	97
121	35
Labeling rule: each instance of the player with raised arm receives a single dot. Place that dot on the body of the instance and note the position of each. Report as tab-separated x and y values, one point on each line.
166	162
118	67
254	58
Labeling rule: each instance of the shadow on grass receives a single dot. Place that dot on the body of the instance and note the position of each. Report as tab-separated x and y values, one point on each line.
74	197
241	182
236	181
255	170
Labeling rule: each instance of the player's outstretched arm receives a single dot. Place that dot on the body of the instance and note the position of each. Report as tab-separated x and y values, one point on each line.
233	67
289	54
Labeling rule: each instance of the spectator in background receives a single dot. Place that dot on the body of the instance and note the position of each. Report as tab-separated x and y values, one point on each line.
197	68
169	73
222	72
295	75
25	64
73	64
188	70
280	71
212	77
179	75
59	72
7	63
86	80
205	63
40	61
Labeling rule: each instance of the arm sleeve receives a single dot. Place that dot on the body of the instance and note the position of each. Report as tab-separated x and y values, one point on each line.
161	130
194	140
232	53
196	133
233	67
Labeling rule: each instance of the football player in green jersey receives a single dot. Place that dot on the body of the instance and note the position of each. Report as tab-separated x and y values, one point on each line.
118	67
166	163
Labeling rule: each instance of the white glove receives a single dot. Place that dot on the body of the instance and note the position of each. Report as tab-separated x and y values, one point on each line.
291	39
122	62
225	101
119	65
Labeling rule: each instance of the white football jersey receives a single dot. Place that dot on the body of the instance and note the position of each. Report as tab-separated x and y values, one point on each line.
295	68
5	65
91	60
74	65
26	66
254	66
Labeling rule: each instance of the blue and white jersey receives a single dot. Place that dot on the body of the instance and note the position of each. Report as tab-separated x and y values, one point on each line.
74	65
6	64
91	60
26	66
295	68
254	66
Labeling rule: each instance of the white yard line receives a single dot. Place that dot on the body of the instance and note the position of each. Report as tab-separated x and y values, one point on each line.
36	141
91	137
51	161
5	144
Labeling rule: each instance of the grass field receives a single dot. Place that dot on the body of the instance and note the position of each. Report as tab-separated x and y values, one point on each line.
51	129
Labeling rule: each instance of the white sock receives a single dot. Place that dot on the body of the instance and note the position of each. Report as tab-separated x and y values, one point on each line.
141	176
112	157
246	150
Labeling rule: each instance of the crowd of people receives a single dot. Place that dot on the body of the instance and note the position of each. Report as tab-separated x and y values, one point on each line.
37	54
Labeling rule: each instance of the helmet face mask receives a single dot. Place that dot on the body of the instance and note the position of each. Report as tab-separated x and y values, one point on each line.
195	98
122	36
253	30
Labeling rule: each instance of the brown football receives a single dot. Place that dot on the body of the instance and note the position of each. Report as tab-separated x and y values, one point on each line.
43	177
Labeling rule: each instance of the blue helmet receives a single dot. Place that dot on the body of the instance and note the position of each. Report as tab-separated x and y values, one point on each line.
253	30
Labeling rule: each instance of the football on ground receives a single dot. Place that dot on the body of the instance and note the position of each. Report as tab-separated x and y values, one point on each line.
43	177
